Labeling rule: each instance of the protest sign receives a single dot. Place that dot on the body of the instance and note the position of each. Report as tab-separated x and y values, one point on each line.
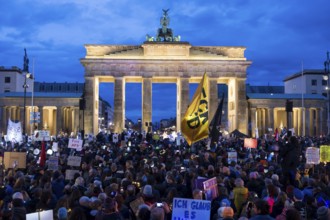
41	135
312	155
75	144
15	159
198	183
211	188
69	174
190	209
250	143
48	214
14	132
232	156
115	138
325	153
53	163
74	161
135	204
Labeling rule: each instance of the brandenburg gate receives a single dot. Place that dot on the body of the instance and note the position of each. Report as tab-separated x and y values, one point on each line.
165	62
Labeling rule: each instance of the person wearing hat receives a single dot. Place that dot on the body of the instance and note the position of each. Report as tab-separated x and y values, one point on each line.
18	211
323	213
298	204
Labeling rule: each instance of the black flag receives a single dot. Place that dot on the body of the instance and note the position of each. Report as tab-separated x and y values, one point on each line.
215	133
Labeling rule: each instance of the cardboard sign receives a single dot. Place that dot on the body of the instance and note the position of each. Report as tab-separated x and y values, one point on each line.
211	188
74	161
232	156
325	153
250	143
48	214
55	146
135	205
53	163
17	159
41	135
75	144
190	209
69	174
312	155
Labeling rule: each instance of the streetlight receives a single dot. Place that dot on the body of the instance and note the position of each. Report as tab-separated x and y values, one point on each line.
25	86
326	77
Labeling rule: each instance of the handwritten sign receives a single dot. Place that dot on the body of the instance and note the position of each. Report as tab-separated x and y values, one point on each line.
75	144
211	188
232	156
41	135
135	205
17	159
190	209
14	132
250	143
312	155
74	161
325	153
53	163
69	174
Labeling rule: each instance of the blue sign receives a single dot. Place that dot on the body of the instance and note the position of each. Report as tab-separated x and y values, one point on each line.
186	209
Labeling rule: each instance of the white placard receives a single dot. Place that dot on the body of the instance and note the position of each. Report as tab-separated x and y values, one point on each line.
312	155
74	161
75	144
41	135
115	138
55	146
14	132
191	209
40	215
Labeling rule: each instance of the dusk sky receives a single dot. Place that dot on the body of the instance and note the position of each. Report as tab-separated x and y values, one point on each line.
279	36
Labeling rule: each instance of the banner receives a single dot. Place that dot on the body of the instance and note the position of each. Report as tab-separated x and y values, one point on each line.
195	123
325	153
191	209
14	132
250	143
210	188
74	161
75	144
312	155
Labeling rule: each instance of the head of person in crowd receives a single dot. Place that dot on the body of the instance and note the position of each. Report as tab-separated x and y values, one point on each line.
62	213
298	195
261	207
293	214
198	194
143	212
323	213
157	213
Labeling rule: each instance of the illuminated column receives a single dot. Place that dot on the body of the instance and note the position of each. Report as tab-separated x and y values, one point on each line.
263	131
237	105
119	104
182	91
317	121
253	121
307	122
59	119
76	120
92	103
213	100
270	118
146	102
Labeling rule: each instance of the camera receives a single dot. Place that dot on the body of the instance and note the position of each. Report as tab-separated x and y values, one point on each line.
159	204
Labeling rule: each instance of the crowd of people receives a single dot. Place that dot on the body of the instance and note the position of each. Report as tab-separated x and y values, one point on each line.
138	177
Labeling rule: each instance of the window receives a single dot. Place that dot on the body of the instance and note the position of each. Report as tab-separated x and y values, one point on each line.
324	94
314	82
7	79
7	90
324	82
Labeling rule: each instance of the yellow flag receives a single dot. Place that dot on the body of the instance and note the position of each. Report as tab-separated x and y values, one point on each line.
195	123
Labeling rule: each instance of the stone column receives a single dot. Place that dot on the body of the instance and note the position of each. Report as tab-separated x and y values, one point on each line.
182	91
307	122
253	122
318	122
119	104
76	120
59	119
322	127
213	100
146	102
270	118
92	104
